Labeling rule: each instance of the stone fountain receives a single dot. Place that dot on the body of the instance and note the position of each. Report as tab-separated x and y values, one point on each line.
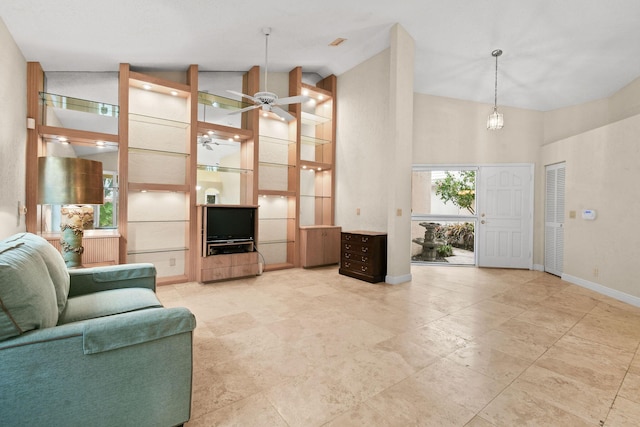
429	243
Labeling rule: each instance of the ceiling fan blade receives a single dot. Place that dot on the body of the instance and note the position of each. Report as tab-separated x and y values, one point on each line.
208	147
244	95
282	113
291	100
242	110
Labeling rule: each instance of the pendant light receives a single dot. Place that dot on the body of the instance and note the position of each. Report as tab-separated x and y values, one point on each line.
495	120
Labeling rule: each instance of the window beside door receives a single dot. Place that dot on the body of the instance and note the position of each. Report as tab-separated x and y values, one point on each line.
443	220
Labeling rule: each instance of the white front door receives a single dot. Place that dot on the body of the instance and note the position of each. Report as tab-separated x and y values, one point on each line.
505	216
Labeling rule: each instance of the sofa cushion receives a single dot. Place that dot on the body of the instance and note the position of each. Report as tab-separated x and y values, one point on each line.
54	262
27	294
107	303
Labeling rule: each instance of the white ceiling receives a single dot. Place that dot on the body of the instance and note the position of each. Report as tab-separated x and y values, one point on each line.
556	52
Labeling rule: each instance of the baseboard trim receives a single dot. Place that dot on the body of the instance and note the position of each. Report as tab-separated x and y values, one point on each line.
538	267
396	280
620	296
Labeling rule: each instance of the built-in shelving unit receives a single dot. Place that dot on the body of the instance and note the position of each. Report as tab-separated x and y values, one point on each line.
178	148
157	156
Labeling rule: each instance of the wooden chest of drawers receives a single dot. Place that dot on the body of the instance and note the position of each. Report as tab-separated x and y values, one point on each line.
363	255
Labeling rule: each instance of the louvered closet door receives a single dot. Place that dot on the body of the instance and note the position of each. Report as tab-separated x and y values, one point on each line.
554	219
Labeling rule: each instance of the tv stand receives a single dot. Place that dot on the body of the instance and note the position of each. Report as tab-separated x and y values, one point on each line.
218	248
224	260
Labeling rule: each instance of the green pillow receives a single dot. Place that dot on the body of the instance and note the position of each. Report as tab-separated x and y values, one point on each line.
27	295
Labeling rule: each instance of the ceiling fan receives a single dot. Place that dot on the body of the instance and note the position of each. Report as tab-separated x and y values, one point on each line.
269	101
207	141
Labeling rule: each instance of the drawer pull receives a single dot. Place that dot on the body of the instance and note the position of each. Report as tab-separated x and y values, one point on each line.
347	247
347	265
365	249
365	239
364	268
347	237
365	259
347	255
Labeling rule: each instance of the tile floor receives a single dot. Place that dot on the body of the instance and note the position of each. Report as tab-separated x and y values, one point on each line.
456	346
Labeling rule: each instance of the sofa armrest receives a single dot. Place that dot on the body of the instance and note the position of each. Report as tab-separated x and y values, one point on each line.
95	279
112	332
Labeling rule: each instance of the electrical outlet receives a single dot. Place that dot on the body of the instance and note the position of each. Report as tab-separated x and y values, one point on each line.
172	262
398	212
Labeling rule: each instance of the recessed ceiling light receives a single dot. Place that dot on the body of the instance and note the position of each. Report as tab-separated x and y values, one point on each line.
305	92
265	114
337	42
320	97
100	143
174	92
236	136
230	139
146	86
210	132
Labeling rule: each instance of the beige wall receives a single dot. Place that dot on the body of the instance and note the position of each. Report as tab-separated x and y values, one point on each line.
399	155
602	173
13	133
565	122
362	134
449	131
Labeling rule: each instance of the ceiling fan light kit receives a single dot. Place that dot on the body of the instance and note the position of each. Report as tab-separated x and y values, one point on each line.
269	101
495	120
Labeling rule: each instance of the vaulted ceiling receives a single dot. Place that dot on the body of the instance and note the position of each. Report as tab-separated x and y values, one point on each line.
557	53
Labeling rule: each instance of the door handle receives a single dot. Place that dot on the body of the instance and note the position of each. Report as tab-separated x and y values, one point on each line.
482	222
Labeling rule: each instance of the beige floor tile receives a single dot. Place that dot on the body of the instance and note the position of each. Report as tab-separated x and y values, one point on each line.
605	330
591	404
595	365
624	413
531	333
516	297
255	410
497	308
478	421
311	400
570	301
631	388
511	344
617	310
488	361
411	353
459	384
311	347
368	371
635	364
361	415
435	340
412	403
232	323
466	327
550	318
515	407
215	388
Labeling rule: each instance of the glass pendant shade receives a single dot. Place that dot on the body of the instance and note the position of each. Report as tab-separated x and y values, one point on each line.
495	120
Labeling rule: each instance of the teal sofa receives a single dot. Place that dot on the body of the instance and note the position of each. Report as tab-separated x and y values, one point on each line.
88	347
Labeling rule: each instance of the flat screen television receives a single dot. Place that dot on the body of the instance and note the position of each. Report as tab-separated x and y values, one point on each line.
230	224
